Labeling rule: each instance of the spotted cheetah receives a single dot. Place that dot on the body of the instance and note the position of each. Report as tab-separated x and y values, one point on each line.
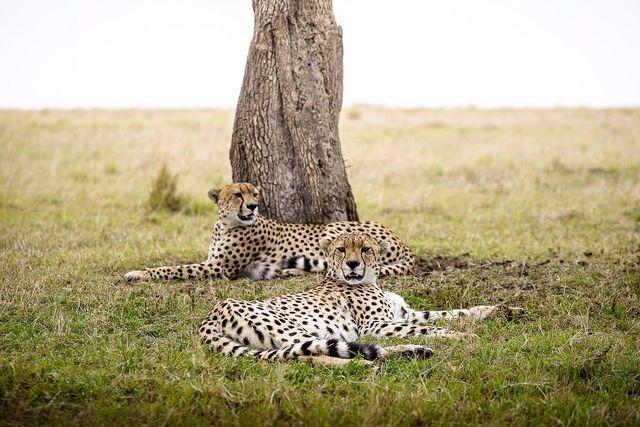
322	323
246	244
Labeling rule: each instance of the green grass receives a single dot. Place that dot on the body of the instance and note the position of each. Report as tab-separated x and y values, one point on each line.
535	208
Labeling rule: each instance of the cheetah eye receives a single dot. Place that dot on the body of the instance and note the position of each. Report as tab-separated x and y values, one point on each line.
238	194
255	194
340	249
366	249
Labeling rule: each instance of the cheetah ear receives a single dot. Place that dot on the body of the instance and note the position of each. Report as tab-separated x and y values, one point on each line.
258	189
213	195
324	244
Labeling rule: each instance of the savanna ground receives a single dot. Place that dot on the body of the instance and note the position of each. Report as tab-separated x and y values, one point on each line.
534	208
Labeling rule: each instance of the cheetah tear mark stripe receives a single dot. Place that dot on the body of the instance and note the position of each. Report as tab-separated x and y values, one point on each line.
332	347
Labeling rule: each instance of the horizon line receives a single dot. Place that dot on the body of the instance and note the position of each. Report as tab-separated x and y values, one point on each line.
344	107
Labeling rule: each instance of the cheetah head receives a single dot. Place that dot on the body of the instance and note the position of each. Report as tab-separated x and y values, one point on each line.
237	203
353	258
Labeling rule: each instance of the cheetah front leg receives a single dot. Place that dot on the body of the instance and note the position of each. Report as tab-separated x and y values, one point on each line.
226	265
200	270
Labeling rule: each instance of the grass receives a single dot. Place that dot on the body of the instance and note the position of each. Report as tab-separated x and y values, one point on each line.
536	208
163	192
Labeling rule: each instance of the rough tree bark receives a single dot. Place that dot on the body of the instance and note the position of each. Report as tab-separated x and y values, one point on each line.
285	135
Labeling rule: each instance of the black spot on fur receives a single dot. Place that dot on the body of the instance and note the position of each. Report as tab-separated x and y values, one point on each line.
304	348
368	351
332	348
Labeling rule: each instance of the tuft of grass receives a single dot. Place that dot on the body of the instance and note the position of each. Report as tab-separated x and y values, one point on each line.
163	195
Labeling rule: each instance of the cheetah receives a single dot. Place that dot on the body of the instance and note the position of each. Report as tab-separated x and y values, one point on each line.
247	244
320	325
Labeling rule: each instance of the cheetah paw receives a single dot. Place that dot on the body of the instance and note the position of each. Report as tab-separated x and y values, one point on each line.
410	350
137	275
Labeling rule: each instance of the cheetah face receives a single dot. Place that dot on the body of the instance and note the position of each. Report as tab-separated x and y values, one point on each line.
353	258
237	203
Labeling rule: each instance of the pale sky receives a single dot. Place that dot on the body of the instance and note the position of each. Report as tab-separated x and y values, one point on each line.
402	53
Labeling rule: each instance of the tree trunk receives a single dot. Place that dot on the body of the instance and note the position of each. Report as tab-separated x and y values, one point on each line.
285	135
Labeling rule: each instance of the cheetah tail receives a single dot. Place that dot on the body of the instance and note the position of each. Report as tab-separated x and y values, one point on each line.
319	347
310	265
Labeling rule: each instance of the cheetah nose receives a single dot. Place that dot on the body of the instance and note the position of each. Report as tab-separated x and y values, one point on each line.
252	207
353	263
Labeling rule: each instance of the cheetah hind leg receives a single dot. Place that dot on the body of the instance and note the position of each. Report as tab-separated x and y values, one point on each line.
500	311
